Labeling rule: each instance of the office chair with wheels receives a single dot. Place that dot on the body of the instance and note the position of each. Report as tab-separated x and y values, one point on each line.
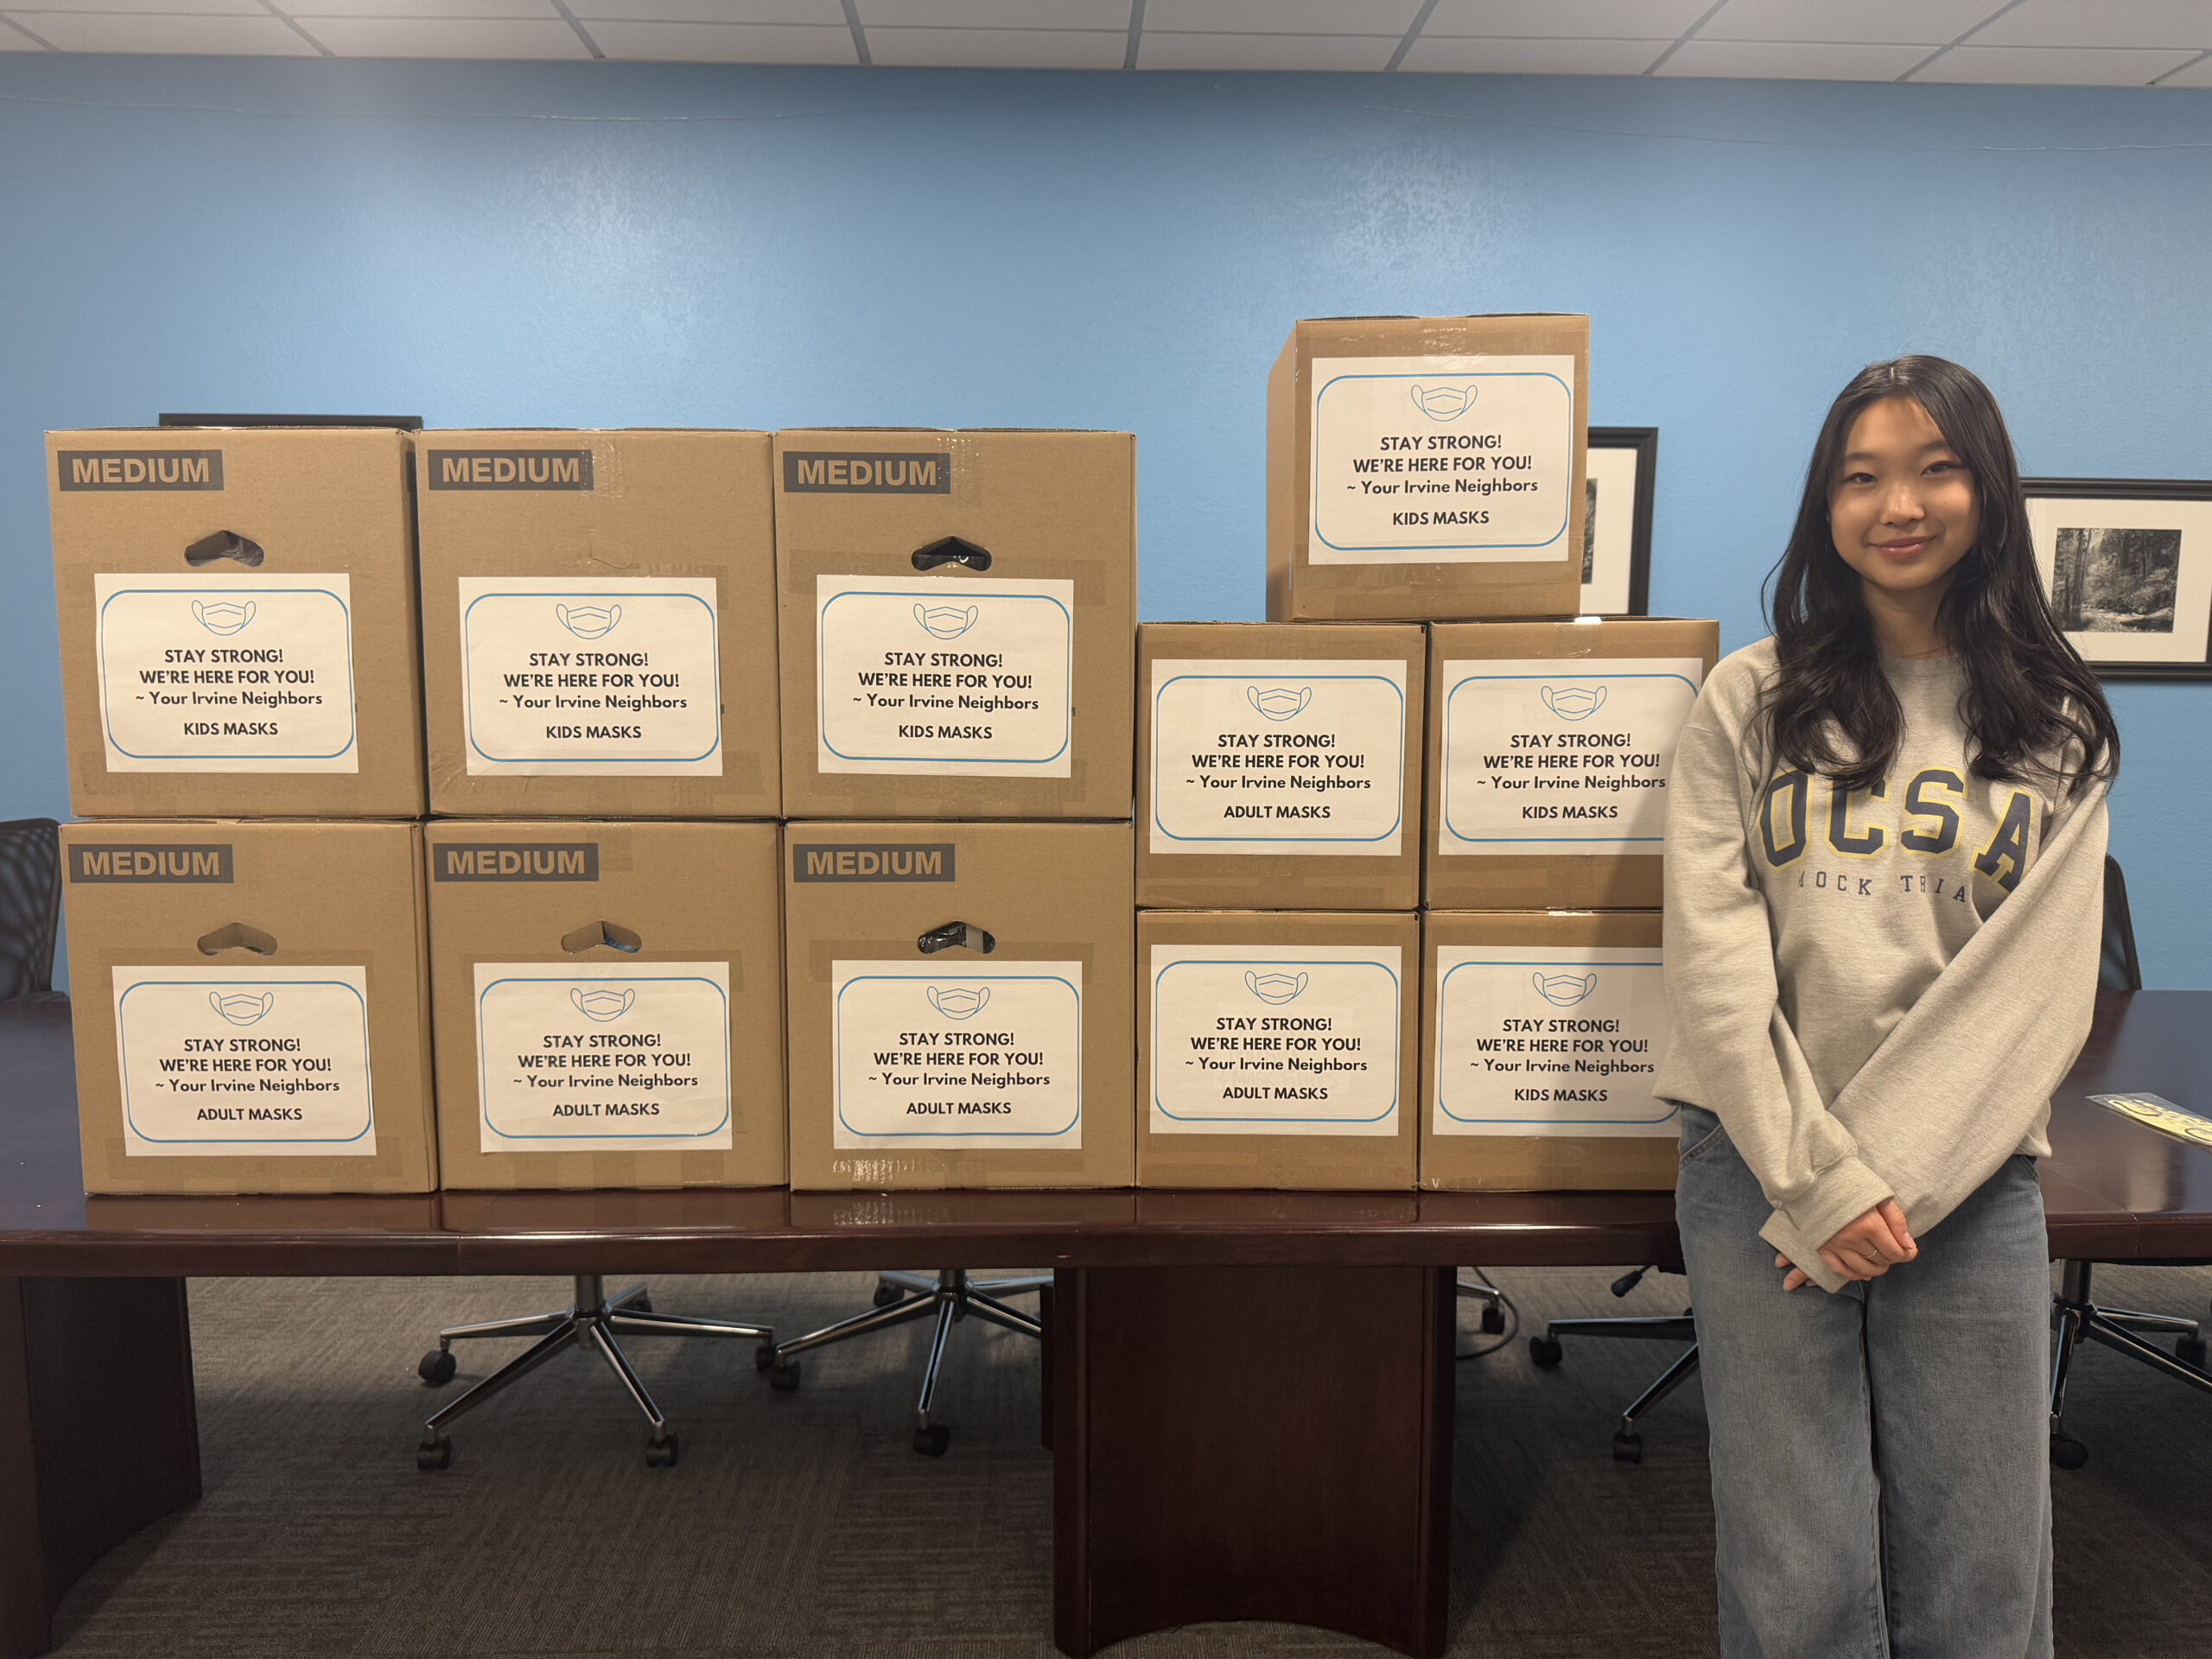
1546	1352
899	1297
593	1319
2074	1315
30	905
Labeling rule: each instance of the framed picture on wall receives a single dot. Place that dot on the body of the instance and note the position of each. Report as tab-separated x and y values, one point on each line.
2127	564
1617	524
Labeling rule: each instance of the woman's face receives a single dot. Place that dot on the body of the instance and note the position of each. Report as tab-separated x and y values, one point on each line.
1903	507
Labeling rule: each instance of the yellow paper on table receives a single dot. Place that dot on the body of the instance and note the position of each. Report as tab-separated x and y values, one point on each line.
2153	1111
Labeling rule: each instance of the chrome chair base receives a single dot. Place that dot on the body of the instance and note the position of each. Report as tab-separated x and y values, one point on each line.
949	1295
593	1321
1628	1440
2074	1317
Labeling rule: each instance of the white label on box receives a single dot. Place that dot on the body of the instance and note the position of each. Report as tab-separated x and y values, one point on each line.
1276	1039
564	678
1442	460
226	673
245	1062
1561	757
602	1057
1278	757
977	1054
969	679
1550	1039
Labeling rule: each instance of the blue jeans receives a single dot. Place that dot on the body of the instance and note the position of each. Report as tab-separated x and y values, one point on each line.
1881	1476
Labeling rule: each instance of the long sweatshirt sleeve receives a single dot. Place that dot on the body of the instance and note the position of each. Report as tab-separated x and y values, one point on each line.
1875	991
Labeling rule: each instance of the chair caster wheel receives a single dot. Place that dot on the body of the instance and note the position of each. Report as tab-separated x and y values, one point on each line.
432	1455
1627	1447
1546	1352
639	1303
436	1368
1493	1320
2068	1453
764	1357
661	1453
886	1292
784	1378
932	1441
2190	1352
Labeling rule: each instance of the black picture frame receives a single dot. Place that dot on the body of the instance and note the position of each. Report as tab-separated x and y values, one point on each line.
2194	559
1643	440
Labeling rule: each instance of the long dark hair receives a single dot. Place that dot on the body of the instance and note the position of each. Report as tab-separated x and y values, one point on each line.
2033	708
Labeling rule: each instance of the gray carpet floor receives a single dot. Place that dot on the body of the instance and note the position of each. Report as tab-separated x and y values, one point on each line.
803	1525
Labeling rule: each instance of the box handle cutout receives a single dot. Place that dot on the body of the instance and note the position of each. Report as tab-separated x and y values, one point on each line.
963	936
952	550
237	937
224	545
592	934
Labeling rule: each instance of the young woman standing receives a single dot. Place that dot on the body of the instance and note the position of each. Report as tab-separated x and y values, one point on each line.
1884	884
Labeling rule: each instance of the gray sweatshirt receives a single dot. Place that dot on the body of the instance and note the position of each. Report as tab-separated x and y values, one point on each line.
1876	992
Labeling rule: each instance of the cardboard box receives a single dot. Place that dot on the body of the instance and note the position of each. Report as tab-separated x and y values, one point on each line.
1549	752
1427	467
599	620
961	1005
608	1003
1280	766
237	622
251	1006
958	613
1279	1049
1542	1033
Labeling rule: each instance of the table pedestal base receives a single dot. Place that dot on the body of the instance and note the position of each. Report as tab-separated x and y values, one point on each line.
1251	1443
98	1436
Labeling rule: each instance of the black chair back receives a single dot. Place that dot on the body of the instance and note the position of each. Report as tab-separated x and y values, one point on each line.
30	905
2117	968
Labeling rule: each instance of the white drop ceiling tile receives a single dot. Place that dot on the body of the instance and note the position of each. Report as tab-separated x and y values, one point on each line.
826	12
1892	23
1281	16
34	9
1461	56
1606	19
308	10
994	14
1790	61
243	36
2053	65
2102	22
449	37
724	43
1354	52
999	49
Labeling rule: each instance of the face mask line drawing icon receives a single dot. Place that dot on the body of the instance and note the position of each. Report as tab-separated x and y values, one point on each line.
946	621
221	616
1563	990
1275	989
602	1003
589	621
1444	403
1573	703
1279	703
241	1009
958	1001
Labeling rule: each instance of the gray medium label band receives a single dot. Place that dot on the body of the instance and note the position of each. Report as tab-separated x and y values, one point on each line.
825	474
168	862
921	861
139	469
509	469
537	861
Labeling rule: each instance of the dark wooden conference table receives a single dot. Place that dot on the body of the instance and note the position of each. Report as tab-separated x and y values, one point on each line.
1249	1394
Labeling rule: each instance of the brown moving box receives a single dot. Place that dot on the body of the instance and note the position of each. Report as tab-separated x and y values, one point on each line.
1279	1049
609	1004
237	622
961	1004
958	613
1543	1031
1548	756
251	1006
1280	764
599	624
1427	467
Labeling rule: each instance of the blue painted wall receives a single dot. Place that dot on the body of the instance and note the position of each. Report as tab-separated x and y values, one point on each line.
598	245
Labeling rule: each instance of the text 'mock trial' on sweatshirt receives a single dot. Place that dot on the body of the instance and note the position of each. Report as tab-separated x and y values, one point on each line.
1875	990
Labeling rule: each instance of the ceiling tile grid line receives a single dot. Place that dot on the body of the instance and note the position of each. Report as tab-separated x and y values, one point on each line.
1660	62
582	34
2184	68
1136	34
43	45
293	24
860	35
2009	5
1413	32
